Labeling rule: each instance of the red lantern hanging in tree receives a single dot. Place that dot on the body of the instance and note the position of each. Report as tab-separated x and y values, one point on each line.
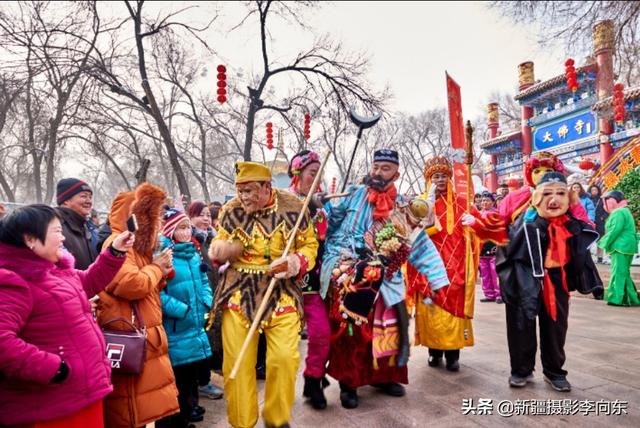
618	103
307	126
334	182
269	135
222	84
570	75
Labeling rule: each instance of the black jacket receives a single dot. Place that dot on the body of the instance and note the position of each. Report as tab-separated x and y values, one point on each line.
77	238
601	214
520	265
104	232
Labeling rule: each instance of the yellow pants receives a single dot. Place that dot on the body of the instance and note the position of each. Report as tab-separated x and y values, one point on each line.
283	359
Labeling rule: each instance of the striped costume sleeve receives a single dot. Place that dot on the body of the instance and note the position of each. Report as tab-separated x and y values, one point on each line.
425	258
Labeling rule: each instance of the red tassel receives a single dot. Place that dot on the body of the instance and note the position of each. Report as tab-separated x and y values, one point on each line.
549	296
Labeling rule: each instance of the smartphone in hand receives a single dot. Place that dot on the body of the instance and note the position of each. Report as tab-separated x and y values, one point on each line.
132	224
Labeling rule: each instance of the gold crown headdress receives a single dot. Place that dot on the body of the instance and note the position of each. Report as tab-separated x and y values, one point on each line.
436	164
432	166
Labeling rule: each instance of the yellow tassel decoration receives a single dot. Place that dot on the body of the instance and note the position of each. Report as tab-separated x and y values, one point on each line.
450	214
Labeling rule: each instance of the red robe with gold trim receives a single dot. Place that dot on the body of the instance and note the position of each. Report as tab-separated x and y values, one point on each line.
446	324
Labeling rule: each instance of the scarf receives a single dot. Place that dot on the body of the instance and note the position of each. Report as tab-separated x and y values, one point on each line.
383	202
558	254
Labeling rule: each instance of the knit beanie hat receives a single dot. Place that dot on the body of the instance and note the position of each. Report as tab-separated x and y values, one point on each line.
172	218
67	188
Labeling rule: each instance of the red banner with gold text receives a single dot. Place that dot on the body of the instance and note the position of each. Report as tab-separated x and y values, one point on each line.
457	137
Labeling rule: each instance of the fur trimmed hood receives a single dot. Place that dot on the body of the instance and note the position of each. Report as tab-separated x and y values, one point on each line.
146	203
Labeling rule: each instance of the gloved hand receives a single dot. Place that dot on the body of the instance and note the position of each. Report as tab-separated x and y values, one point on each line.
468	220
431	196
225	251
286	267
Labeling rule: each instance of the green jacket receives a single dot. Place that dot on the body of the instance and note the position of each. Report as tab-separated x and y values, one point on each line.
620	235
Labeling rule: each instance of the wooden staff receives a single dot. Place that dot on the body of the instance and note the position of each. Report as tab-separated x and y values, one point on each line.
267	295
336	195
469	269
469	161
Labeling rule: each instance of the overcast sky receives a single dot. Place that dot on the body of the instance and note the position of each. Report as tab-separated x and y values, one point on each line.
411	45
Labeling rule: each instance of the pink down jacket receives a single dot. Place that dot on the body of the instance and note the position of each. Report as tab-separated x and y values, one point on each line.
45	316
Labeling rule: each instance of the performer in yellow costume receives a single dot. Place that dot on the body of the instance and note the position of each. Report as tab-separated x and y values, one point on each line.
443	318
253	232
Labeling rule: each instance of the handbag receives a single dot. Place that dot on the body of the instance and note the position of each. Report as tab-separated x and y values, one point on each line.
126	349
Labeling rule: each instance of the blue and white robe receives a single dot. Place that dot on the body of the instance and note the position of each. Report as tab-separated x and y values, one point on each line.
348	222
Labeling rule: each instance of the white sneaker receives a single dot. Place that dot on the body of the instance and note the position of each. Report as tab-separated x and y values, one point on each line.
211	392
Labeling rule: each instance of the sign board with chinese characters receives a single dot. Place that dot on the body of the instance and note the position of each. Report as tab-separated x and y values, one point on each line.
624	160
569	129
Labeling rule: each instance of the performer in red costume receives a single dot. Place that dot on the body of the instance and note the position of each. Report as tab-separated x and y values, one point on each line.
443	318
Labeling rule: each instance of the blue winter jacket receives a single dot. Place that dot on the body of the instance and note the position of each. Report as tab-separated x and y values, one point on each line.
186	300
587	203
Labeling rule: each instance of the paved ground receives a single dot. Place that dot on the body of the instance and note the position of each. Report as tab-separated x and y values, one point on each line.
603	360
605	273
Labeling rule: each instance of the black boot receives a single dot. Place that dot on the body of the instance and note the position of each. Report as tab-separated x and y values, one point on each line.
435	357
403	328
452	358
313	390
348	397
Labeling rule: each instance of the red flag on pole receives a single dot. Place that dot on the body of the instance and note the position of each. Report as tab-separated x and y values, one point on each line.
457	137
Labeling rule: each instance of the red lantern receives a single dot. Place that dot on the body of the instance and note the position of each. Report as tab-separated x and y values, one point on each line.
513	182
618	103
307	126
586	164
334	183
570	75
222	84
269	126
